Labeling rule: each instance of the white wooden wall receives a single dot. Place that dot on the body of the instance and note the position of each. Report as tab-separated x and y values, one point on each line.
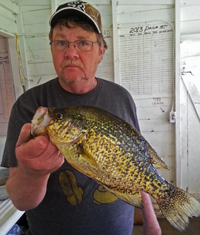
189	121
32	28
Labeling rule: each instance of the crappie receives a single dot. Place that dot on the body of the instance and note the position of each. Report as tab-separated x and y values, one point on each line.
109	150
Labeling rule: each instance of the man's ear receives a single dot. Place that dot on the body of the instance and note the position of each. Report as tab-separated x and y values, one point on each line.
101	52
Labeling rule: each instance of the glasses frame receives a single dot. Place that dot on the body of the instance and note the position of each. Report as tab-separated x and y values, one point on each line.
67	44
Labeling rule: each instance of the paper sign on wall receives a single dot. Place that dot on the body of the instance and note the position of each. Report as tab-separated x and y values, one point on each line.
146	64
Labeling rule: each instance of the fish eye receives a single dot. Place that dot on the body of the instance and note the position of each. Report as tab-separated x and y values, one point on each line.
59	116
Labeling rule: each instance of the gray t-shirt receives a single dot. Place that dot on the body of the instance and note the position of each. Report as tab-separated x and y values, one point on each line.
74	204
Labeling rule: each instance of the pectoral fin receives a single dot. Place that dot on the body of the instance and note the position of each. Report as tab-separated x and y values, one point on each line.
86	154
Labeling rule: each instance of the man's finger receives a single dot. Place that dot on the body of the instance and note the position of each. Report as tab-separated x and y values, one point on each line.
25	134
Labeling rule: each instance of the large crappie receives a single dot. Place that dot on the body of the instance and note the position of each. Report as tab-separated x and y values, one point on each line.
109	150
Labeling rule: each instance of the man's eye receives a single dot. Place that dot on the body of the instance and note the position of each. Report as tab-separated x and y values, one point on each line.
83	43
61	43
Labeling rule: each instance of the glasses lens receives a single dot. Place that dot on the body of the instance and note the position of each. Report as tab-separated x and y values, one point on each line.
60	45
80	45
83	45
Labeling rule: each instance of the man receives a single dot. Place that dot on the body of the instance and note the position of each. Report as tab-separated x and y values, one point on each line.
57	198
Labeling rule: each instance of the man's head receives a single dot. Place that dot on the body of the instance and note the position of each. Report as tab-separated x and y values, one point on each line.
79	14
77	45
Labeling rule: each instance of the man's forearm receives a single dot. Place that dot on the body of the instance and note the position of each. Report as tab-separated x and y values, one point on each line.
26	190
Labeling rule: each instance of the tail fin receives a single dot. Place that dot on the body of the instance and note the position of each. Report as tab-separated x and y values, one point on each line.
178	207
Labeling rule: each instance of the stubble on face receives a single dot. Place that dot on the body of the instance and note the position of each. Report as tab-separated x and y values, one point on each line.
67	79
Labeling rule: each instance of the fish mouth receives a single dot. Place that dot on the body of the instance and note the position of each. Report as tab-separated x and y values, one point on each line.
40	122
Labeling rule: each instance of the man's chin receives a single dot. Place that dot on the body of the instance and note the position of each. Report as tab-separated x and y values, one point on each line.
70	80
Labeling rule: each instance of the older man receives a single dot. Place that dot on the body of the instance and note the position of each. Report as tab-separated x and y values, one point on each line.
56	197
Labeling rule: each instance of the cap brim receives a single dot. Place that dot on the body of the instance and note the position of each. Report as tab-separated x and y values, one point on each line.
62	13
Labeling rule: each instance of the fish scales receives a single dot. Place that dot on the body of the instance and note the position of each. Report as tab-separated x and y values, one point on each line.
109	150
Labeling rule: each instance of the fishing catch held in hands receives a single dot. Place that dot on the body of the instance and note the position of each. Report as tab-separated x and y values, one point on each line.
109	150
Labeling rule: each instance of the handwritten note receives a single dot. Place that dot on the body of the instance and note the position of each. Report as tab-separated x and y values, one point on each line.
146	63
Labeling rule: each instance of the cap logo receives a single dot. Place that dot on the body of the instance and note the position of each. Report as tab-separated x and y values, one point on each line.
78	5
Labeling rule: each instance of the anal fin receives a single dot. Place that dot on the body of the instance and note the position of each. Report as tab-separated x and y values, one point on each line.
133	199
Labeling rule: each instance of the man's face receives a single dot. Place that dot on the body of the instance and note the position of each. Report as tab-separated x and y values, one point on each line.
74	66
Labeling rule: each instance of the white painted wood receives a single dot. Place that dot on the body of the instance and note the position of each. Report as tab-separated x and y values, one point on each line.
7	14
190	13
39	56
115	42
194	93
189	2
124	9
177	93
37	43
193	151
38	69
106	67
33	8
191	37
53	6
156	124
145	2
7	25
36	23
35	31
9	5
190	149
36	17
92	2
190	27
189	48
34	3
166	15
40	79
6	34
189	122
184	154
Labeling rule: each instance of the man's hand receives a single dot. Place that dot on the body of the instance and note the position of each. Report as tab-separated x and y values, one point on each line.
37	158
151	229
37	155
151	225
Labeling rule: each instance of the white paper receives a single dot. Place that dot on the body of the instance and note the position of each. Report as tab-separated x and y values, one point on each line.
146	63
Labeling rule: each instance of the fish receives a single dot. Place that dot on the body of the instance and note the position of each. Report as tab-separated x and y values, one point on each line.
112	152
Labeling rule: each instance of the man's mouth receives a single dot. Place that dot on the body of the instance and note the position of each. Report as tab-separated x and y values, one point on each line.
71	64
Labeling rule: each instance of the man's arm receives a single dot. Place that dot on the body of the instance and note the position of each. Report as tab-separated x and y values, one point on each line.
151	225
37	158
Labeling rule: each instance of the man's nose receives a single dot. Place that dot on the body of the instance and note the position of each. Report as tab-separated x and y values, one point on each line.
71	51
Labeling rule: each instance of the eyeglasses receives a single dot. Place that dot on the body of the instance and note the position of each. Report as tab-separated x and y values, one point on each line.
80	45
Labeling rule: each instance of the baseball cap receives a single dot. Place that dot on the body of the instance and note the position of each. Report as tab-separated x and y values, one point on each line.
78	8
